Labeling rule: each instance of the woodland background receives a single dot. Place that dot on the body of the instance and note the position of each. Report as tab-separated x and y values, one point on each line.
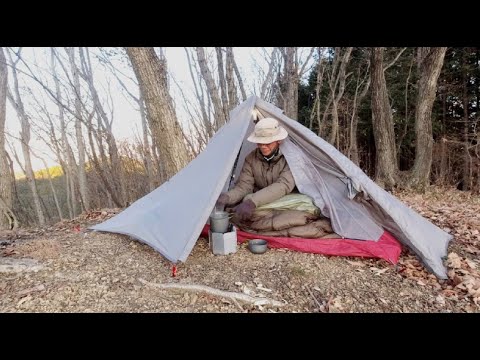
407	116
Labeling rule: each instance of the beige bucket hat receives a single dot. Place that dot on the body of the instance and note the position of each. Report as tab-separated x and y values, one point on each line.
266	131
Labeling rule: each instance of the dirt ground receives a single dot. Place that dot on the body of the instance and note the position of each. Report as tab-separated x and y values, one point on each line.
63	268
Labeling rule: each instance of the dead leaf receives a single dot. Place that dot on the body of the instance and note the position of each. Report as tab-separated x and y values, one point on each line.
355	263
439	299
9	252
471	264
454	261
22	300
378	271
264	289
37	288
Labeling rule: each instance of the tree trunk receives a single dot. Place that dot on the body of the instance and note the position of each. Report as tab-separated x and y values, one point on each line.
431	62
17	104
222	81
268	88
82	175
166	131
353	147
7	219
383	130
146	146
54	193
315	113
290	83
219	115
114	164
232	89
71	165
338	96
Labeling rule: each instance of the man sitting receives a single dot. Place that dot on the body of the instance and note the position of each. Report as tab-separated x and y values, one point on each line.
266	178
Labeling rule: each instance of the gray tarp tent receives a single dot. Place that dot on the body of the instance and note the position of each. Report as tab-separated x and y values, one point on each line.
171	218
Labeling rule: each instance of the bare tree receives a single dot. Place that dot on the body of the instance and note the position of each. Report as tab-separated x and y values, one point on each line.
290	82
337	95
105	124
8	219
167	134
122	79
293	71
318	86
386	169
219	114
52	187
82	175
430	62
17	104
200	95
70	166
232	89
222	81
267	89
357	100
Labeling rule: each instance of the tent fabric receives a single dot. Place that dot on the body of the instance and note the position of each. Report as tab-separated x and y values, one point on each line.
171	218
427	240
387	247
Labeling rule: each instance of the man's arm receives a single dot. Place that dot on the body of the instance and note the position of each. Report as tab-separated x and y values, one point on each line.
244	185
283	186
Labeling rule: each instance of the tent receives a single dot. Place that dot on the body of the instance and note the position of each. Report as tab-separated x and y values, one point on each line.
370	220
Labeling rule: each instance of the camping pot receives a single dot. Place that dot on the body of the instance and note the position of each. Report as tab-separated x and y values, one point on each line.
219	222
257	246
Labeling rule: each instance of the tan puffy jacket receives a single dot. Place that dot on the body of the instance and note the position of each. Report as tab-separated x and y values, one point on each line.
262	181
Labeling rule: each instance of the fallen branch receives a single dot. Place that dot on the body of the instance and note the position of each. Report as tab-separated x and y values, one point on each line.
314	298
225	294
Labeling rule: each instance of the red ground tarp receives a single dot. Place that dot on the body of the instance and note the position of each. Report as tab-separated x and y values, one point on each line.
387	247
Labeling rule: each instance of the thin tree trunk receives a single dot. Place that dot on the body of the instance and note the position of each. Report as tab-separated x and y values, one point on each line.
337	97
8	220
268	81
290	83
222	81
405	127
219	115
200	97
115	164
318	85
78	132
467	160
353	148
430	66
17	103
240	81
54	193
146	146
65	146
232	89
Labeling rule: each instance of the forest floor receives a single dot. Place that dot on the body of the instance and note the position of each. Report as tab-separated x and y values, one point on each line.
64	268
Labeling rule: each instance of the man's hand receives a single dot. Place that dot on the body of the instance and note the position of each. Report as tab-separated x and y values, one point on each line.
223	199
245	209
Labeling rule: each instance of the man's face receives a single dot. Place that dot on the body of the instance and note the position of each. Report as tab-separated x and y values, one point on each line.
267	149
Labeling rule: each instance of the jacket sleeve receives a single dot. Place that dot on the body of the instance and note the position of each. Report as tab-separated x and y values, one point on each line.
244	185
283	186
